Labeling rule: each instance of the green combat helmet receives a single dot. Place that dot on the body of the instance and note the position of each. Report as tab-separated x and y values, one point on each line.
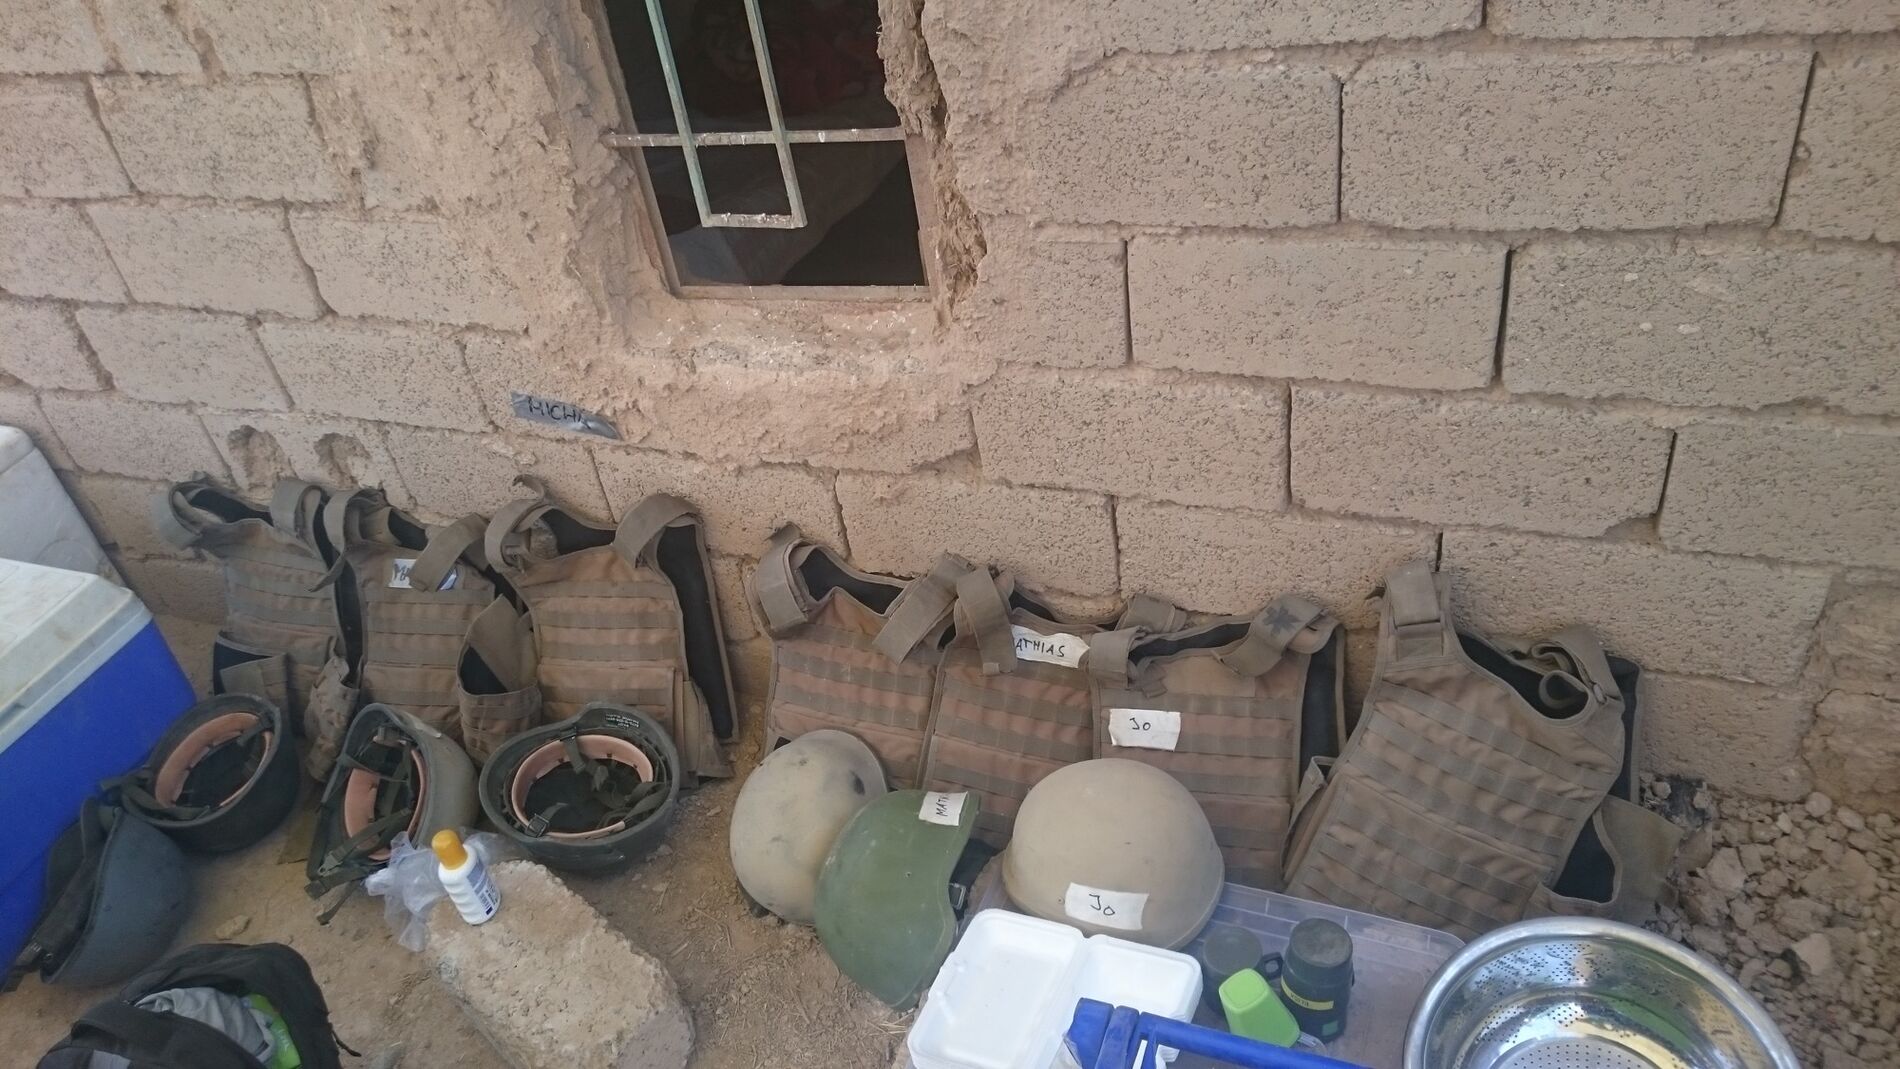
888	894
1115	847
790	812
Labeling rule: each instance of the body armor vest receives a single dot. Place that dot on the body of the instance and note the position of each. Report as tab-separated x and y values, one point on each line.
851	650
1473	771
623	615
1225	707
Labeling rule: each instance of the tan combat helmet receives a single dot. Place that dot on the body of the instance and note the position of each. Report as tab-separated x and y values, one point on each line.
1115	847
790	812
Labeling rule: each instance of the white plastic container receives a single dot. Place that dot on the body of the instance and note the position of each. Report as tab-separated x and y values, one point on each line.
1004	997
38	521
465	877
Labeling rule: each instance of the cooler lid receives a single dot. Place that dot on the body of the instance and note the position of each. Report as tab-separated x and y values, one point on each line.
56	626
14	446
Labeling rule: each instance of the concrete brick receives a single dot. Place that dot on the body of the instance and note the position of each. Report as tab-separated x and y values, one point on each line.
1147	26
1672	612
271	36
1860	641
1474	462
404	269
1612	141
145	39
1050	302
39	345
735	615
191	642
1738	736
55	146
189	589
1196	443
1420	314
49	37
1254	145
908	447
501	365
1658	18
21	408
452	474
1700	327
1056	538
231	141
393	374
227	259
1812	495
1846	181
741	508
50	250
118	436
162	354
588	998
1854	750
1207	560
120	513
263	447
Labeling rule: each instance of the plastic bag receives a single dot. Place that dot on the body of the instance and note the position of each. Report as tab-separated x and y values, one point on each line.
410	887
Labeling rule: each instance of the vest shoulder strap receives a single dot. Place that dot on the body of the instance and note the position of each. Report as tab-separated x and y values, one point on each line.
922	608
1151	614
642	524
169	513
295	506
446	546
509	521
783	601
1270	633
1415	622
982	609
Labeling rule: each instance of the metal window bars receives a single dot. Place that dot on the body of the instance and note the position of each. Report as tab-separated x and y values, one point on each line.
687	140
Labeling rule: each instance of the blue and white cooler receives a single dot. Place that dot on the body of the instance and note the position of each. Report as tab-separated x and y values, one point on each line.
87	685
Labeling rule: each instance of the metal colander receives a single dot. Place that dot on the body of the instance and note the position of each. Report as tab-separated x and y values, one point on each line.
1573	993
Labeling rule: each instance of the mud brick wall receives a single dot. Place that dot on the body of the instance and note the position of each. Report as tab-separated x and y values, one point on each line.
1595	302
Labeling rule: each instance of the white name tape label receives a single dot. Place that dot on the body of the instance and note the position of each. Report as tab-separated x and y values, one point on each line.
1059	649
399	572
1150	729
942	807
1120	910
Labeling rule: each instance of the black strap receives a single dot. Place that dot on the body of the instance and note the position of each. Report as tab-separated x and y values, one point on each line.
146	1037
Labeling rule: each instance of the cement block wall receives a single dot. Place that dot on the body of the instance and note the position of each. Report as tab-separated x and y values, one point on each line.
1593	302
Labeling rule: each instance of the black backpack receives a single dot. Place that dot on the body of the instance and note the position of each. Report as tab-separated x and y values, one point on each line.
152	1040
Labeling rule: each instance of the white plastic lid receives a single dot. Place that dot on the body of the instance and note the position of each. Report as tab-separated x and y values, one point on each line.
55	627
14	446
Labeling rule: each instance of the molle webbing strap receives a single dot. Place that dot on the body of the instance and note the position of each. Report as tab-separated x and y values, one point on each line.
782	598
643	523
446	546
982	610
1414	611
1107	660
1151	614
1269	635
921	608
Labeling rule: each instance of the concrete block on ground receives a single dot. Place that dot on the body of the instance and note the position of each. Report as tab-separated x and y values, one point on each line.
735	614
1050	302
1860	640
54	144
165	354
1253	145
271	36
1055	538
191	642
48	249
21	408
120	436
911	445
146	39
1647	18
452	474
1234	562
389	374
49	37
231	141
120	513
553	985
1738	736
1418	314
415	268
1673	612
1595	142
40	346
1196	443
1531	467
741	507
191	589
262	447
1740	327
1846	181
1854	749
1798	494
227	259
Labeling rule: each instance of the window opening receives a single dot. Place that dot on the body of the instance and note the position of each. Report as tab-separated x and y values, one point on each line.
770	153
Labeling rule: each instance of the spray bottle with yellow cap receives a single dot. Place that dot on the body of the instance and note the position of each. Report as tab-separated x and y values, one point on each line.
465	878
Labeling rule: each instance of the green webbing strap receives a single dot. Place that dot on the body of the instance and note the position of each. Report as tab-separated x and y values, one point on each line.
982	610
133	786
782	598
1151	614
644	522
344	858
921	608
446	546
1268	635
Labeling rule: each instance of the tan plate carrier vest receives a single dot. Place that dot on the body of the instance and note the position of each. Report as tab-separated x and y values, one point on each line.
417	591
1221	707
613	614
1457	800
280	636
